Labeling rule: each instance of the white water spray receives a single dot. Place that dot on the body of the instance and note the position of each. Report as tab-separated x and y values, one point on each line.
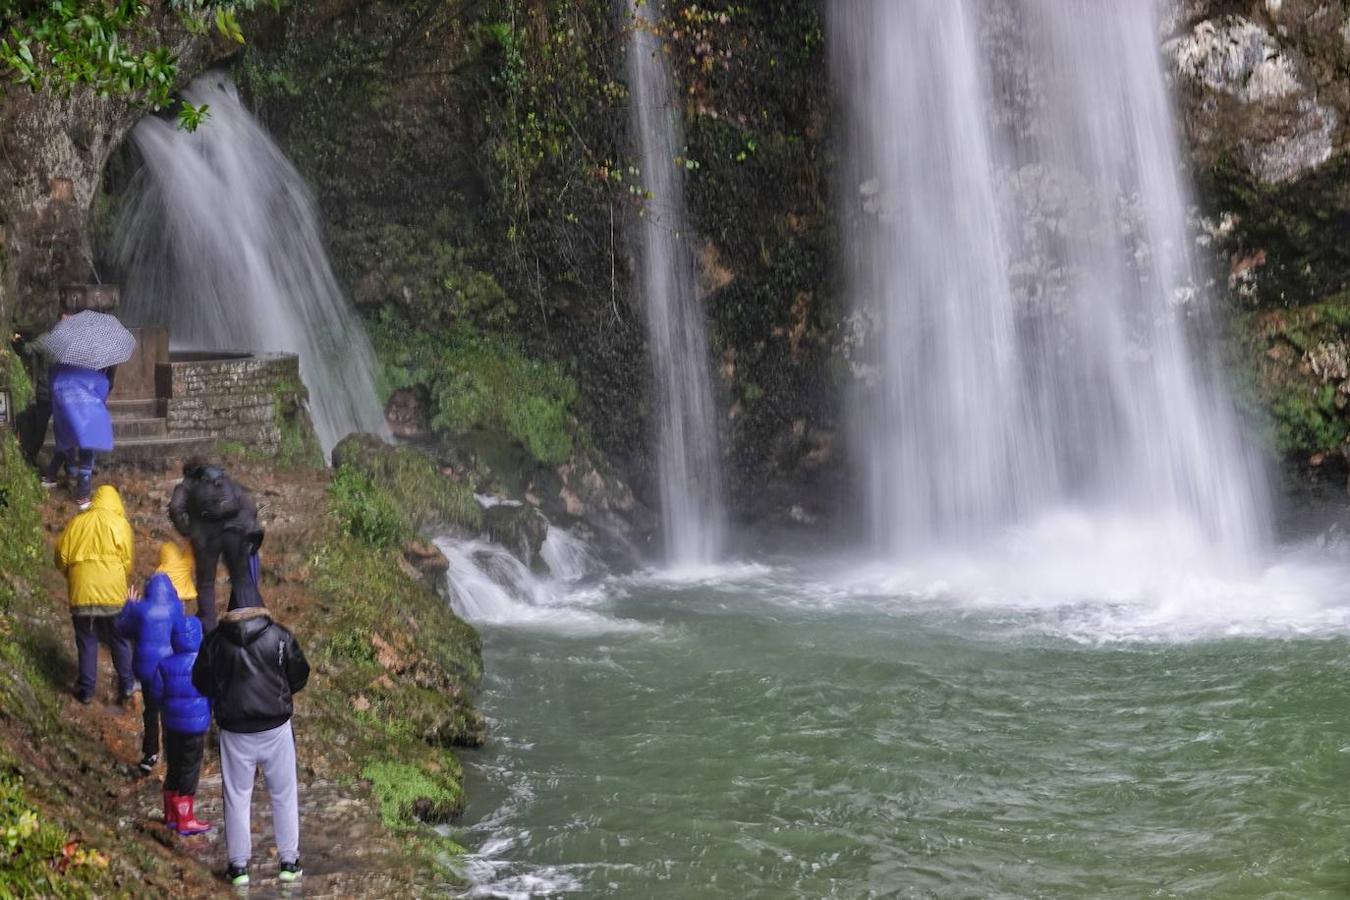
490	586
220	242
1025	269
693	519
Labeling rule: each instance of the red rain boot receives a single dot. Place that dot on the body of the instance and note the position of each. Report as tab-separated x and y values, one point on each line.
187	820
170	811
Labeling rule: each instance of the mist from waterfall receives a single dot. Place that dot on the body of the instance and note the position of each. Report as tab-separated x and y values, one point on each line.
219	240
689	458
1024	280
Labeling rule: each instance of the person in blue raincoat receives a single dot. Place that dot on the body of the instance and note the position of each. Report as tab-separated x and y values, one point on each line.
149	623
85	348
82	424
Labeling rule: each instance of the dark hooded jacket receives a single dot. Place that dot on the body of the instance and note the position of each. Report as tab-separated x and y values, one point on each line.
248	668
197	500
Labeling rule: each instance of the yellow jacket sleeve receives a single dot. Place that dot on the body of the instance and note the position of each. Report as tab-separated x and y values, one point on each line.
126	544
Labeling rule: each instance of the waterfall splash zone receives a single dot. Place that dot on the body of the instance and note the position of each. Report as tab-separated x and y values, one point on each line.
219	241
1024	273
821	730
689	458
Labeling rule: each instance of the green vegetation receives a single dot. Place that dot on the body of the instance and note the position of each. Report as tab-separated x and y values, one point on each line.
408	675
375	481
20	385
366	512
408	794
475	381
39	858
65	44
22	548
298	445
1293	376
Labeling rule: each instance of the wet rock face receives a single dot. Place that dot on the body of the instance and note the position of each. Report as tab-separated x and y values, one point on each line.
1257	82
53	151
520	529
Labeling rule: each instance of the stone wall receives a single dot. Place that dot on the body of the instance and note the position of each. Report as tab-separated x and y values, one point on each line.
254	400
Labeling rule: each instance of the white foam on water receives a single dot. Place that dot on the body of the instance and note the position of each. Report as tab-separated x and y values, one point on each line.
1095	578
490	586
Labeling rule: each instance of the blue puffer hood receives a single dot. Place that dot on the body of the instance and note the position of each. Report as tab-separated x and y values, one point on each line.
187	635
160	589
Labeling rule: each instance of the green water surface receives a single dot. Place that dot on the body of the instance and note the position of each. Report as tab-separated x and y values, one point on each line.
752	740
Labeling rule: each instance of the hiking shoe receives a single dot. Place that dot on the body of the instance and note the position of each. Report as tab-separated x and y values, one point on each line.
147	763
237	876
84	490
82	699
49	482
290	871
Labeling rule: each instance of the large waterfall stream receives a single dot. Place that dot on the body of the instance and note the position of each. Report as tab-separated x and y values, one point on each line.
220	242
693	521
1021	256
1074	664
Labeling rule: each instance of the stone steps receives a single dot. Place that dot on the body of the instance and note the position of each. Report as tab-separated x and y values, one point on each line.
141	434
136	409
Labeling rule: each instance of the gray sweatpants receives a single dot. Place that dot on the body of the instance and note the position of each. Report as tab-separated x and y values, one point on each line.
240	757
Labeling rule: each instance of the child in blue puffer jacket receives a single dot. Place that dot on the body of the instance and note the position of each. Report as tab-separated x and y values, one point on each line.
149	622
187	717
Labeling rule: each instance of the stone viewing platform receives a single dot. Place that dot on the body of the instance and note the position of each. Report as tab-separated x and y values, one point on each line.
173	404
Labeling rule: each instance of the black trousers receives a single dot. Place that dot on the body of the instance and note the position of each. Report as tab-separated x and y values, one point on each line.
185	761
90	631
31	425
209	544
150	719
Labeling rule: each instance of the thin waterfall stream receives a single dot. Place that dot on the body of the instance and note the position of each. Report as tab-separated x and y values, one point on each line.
689	458
220	241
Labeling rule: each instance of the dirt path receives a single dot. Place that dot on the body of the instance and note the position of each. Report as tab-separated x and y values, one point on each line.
345	847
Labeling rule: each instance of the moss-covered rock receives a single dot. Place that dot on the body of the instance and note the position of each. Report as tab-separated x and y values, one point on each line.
388	492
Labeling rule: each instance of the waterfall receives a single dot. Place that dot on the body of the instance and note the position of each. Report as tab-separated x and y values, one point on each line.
488	585
1023	276
693	520
219	241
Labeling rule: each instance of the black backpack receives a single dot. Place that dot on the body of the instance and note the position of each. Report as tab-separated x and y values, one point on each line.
215	497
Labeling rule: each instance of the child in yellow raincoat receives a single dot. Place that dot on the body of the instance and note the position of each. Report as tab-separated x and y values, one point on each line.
95	553
178	565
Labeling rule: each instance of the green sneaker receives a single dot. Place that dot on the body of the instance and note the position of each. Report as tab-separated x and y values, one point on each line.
237	876
290	871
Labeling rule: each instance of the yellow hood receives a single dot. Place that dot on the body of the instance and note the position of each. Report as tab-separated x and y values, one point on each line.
107	499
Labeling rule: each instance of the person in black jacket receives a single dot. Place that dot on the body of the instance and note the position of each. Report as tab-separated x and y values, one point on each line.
249	668
219	517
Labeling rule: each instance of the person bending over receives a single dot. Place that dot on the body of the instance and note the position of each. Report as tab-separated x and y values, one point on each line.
219	517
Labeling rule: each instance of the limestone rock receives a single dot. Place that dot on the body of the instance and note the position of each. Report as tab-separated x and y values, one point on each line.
1260	88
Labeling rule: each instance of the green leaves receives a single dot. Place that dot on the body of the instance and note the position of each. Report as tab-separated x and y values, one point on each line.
62	45
191	117
227	25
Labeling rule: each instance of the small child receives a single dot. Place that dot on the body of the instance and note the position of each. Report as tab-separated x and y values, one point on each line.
149	623
187	718
95	553
177	563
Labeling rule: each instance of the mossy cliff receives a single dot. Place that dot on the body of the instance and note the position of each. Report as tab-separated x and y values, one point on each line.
474	168
1264	98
